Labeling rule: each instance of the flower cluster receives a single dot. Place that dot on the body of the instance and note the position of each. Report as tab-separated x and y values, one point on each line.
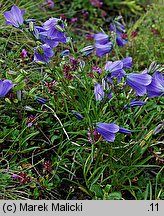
116	78
104	44
47	36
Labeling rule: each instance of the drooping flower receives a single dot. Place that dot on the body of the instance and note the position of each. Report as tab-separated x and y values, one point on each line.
102	44
5	87
103	49
55	30
101	38
14	17
98	91
119	30
120	40
127	62
43	53
156	87
107	130
139	82
115	69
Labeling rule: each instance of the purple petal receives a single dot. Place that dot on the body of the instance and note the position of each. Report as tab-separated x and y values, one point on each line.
5	87
120	41
106	135
101	38
124	130
98	91
113	66
14	16
102	50
127	62
156	87
113	128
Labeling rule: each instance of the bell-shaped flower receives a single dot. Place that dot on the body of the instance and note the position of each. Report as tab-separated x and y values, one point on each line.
43	53
5	87
115	69
107	130
156	87
139	82
55	30
101	38
103	49
14	17
127	62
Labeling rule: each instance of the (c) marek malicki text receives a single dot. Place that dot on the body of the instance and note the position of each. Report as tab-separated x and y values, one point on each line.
66	207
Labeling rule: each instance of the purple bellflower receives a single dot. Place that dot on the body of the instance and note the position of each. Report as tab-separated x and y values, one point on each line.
115	69
43	53
107	130
101	38
102	44
119	29
55	30
98	91
156	87
139	82
103	49
5	87
14	17
127	62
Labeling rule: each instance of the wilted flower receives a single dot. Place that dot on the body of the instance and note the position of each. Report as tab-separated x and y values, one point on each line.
107	130
5	87
43	53
50	85
47	166
156	87
139	82
14	17
99	92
